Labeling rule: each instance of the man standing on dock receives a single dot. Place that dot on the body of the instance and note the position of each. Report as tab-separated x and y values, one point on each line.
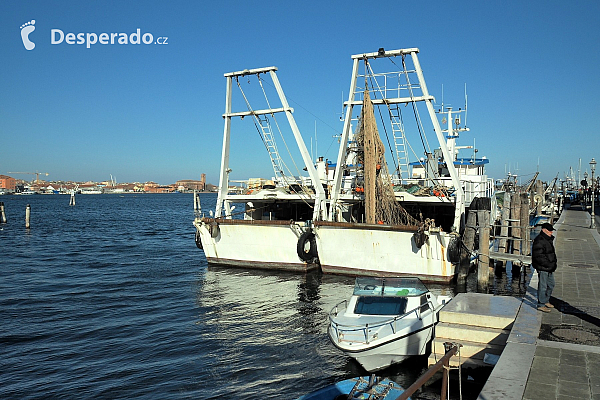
543	259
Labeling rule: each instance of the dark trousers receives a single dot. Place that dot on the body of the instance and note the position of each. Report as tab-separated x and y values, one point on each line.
545	287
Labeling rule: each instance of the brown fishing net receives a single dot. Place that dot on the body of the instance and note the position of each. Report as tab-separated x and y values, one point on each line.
380	202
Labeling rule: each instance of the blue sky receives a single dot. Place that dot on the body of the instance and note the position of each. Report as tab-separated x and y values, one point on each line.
153	112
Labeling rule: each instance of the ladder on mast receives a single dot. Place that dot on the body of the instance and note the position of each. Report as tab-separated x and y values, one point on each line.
399	142
271	145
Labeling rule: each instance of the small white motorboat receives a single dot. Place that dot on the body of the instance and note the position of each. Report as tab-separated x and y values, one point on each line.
385	321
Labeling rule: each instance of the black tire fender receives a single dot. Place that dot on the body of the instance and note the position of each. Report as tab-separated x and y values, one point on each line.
307	246
454	250
420	238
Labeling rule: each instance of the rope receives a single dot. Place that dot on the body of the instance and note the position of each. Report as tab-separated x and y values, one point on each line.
280	134
415	111
371	75
252	112
256	125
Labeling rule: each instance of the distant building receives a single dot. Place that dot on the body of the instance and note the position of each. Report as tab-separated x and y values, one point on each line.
190	184
153	187
7	183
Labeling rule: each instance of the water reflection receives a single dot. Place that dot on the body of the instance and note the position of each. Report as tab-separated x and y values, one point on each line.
266	332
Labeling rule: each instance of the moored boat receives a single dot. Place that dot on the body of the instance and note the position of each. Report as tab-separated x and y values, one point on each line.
404	220
366	388
272	230
385	321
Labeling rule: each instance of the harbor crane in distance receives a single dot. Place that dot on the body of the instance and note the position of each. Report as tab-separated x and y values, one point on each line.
37	174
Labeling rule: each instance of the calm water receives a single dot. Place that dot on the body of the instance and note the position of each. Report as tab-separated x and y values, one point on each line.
111	299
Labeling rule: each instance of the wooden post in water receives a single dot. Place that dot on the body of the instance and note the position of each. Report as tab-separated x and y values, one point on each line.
468	244
197	206
2	214
72	199
539	192
483	273
525	248
516	229
504	244
27	216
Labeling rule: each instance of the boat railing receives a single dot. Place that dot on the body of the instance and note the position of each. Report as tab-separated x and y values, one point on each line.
392	322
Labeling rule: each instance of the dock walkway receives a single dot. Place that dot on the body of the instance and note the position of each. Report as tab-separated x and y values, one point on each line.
556	355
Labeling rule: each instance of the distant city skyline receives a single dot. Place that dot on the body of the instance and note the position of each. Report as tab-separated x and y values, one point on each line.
47	179
136	90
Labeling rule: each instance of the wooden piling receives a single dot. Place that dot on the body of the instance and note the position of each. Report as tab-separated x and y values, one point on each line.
2	214
504	244
525	248
539	194
468	244
196	202
483	274
27	216
72	199
515	223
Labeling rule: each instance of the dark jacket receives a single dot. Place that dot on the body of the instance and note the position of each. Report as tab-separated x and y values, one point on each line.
543	255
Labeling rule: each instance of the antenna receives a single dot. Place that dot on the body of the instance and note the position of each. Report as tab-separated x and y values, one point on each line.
466	106
442	97
316	141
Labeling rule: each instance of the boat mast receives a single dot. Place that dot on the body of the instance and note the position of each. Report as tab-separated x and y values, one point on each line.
224	175
320	209
426	97
341	159
460	195
225	170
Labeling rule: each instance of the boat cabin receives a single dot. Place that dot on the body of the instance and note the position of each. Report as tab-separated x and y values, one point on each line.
388	296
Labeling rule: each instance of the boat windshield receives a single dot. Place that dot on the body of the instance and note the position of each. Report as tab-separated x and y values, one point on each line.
375	305
402	287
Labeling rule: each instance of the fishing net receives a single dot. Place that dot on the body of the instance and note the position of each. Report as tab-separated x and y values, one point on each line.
381	205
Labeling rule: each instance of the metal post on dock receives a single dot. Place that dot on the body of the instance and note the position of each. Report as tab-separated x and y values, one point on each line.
444	362
593	168
27	216
2	214
483	264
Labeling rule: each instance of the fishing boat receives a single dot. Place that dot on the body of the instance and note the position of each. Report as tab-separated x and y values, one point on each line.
385	321
404	220
271	227
366	388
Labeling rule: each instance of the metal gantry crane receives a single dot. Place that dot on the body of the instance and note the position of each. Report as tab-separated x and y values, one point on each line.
37	174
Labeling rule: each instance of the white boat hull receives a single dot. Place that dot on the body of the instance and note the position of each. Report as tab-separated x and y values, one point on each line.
377	251
262	244
396	350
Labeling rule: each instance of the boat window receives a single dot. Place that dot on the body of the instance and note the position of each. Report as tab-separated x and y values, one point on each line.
389	286
374	305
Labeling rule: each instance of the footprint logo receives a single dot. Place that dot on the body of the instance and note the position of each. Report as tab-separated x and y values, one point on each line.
26	29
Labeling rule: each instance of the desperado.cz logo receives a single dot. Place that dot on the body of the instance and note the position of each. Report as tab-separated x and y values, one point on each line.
26	29
57	36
